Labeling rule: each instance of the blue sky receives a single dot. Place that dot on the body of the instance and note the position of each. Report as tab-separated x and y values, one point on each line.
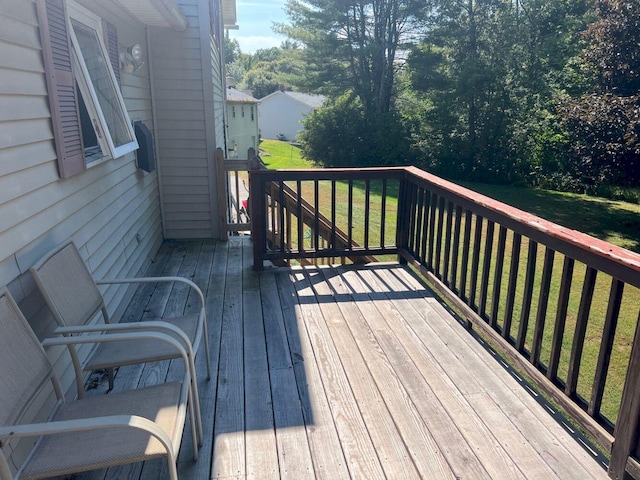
255	18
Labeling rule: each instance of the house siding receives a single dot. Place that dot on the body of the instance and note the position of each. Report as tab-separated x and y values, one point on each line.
187	83
102	209
281	115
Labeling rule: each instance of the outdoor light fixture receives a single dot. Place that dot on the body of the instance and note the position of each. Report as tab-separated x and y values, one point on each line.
131	59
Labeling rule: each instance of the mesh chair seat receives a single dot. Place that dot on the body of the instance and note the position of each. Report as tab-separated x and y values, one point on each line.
66	453
110	355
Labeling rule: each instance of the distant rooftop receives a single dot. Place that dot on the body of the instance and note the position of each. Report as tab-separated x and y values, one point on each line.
235	95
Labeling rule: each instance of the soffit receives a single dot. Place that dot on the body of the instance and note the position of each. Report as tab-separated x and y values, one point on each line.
229	14
157	13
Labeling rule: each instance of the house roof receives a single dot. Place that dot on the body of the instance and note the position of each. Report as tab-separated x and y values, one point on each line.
310	99
235	95
229	15
158	13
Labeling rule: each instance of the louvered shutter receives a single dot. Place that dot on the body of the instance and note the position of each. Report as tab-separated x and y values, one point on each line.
61	86
111	41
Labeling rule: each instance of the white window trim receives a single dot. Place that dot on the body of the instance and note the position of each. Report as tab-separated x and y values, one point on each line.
105	141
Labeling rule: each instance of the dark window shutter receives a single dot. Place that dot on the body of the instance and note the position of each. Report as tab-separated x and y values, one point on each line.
61	86
111	41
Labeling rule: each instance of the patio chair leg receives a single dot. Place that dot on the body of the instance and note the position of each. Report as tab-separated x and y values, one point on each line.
111	377
196	402
194	434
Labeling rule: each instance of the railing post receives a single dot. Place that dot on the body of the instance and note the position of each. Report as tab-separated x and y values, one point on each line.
257	212
402	228
627	429
223	195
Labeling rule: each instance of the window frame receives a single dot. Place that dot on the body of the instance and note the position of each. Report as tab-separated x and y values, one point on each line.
87	90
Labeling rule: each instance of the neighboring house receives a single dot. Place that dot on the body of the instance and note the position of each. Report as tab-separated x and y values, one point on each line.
68	84
242	123
281	113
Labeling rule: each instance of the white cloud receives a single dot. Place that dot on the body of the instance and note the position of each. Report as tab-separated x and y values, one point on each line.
250	44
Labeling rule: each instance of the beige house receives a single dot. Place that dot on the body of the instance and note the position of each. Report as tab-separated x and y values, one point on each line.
243	130
110	116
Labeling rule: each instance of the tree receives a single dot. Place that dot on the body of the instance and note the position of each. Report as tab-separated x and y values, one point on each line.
352	46
605	122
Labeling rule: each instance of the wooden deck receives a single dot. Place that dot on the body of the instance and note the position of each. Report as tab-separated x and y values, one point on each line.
336	373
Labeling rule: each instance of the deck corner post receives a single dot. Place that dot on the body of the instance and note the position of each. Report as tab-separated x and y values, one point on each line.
258	222
222	195
627	426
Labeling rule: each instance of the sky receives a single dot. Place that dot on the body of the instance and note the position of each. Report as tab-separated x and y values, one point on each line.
255	19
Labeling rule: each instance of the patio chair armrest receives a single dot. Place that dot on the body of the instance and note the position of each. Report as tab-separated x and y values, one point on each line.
86	424
152	325
118	337
106	281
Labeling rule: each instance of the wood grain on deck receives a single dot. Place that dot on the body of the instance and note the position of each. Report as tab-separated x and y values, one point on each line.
332	373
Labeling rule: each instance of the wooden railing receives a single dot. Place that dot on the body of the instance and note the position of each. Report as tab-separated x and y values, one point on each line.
560	305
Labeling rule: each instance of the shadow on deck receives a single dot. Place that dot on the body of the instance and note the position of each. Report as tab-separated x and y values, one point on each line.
350	372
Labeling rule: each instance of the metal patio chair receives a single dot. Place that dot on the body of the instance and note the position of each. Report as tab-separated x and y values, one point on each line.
74	300
85	434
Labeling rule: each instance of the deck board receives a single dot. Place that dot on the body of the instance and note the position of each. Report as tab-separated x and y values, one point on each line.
331	373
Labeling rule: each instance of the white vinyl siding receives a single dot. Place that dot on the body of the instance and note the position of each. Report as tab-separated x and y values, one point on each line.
188	128
101	209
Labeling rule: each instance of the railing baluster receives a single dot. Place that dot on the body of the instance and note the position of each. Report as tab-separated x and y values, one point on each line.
432	228
465	254
438	257
423	233
606	346
475	262
333	214
561	318
367	211
497	277
447	244
456	247
299	215
486	268
383	216
511	288
580	331
417	224
528	296
350	217
282	226
316	223
543	302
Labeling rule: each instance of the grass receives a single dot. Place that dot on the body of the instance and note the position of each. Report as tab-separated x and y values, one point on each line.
614	221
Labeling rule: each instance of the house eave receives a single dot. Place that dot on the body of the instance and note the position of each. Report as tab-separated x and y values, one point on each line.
157	13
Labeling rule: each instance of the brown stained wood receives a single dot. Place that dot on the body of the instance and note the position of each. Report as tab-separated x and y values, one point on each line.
416	216
626	433
456	248
350	215
475	262
333	214
438	257
511	287
367	211
300	240
383	208
422	234
447	244
316	220
606	346
543	303
497	278
580	331
486	268
337	421
529	280
432	230
561	318
466	242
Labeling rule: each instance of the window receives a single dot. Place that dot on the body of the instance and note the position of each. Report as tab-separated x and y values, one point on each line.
242	111
106	128
252	116
233	112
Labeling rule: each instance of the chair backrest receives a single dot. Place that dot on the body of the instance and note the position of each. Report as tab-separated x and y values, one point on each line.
24	366
67	286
